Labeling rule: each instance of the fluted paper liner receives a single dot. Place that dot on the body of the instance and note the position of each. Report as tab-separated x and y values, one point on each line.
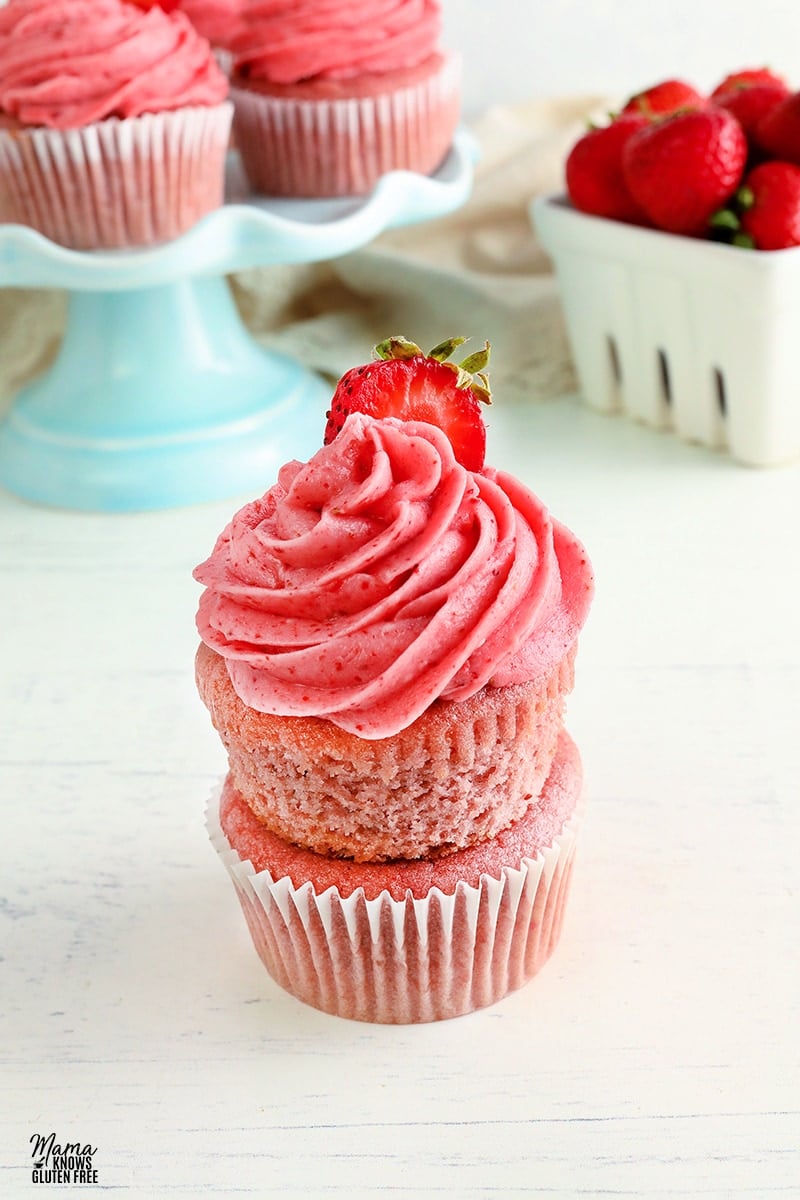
411	960
301	147
117	183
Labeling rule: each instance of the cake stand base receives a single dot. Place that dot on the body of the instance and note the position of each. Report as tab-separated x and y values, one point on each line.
205	413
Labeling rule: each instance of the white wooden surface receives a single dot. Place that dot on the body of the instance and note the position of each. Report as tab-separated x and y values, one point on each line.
656	1055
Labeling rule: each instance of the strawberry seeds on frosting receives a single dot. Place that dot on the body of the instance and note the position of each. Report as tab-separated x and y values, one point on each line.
68	63
286	41
382	575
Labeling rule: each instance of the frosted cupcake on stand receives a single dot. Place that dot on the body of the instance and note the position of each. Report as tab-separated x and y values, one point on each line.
114	122
331	96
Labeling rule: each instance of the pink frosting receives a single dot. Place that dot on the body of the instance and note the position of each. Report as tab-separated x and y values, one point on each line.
218	20
68	63
382	575
285	41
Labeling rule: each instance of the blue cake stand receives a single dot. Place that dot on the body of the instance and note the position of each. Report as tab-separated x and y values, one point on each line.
159	396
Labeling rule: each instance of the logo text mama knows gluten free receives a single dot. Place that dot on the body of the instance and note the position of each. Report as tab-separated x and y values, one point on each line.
70	1163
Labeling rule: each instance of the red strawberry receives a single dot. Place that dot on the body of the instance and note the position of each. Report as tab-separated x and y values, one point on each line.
770	200
751	77
683	168
778	133
750	95
750	103
594	171
413	386
664	98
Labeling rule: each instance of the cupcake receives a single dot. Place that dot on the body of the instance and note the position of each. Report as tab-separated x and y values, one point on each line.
387	640
114	122
329	96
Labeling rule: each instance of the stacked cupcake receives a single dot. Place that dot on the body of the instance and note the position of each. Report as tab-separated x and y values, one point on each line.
331	96
114	122
388	637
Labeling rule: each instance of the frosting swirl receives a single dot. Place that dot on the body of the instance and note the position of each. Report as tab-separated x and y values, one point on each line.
218	20
285	41
382	575
68	63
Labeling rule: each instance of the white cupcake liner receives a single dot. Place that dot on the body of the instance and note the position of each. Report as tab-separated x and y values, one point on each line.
120	182
405	961
301	147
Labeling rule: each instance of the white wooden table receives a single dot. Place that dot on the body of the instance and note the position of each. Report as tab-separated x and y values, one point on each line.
658	1052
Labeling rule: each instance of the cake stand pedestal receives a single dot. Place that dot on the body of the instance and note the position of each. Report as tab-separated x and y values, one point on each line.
159	395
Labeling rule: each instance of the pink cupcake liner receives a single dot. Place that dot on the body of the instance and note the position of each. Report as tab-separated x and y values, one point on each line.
302	147
117	183
405	961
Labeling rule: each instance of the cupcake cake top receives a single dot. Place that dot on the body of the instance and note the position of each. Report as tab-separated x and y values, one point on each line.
68	63
286	41
385	574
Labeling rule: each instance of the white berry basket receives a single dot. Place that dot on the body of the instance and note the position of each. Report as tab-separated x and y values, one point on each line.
694	336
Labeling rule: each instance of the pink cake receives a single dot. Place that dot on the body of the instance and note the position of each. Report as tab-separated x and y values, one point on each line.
329	97
114	122
388	638
406	796
408	941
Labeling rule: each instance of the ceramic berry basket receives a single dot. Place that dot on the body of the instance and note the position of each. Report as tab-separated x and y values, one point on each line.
693	336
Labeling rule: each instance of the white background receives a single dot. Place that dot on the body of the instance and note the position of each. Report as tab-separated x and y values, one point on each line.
517	49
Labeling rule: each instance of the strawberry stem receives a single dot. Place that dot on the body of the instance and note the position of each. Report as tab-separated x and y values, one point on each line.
445	349
477	361
397	347
725	218
469	373
480	386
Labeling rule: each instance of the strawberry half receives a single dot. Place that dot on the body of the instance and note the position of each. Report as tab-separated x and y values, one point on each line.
406	383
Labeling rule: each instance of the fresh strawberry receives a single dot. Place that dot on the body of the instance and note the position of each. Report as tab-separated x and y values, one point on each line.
769	202
778	133
750	95
751	77
663	98
406	383
683	168
750	103
594	171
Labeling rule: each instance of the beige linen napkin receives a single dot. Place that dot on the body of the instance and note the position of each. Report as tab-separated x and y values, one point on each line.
479	272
